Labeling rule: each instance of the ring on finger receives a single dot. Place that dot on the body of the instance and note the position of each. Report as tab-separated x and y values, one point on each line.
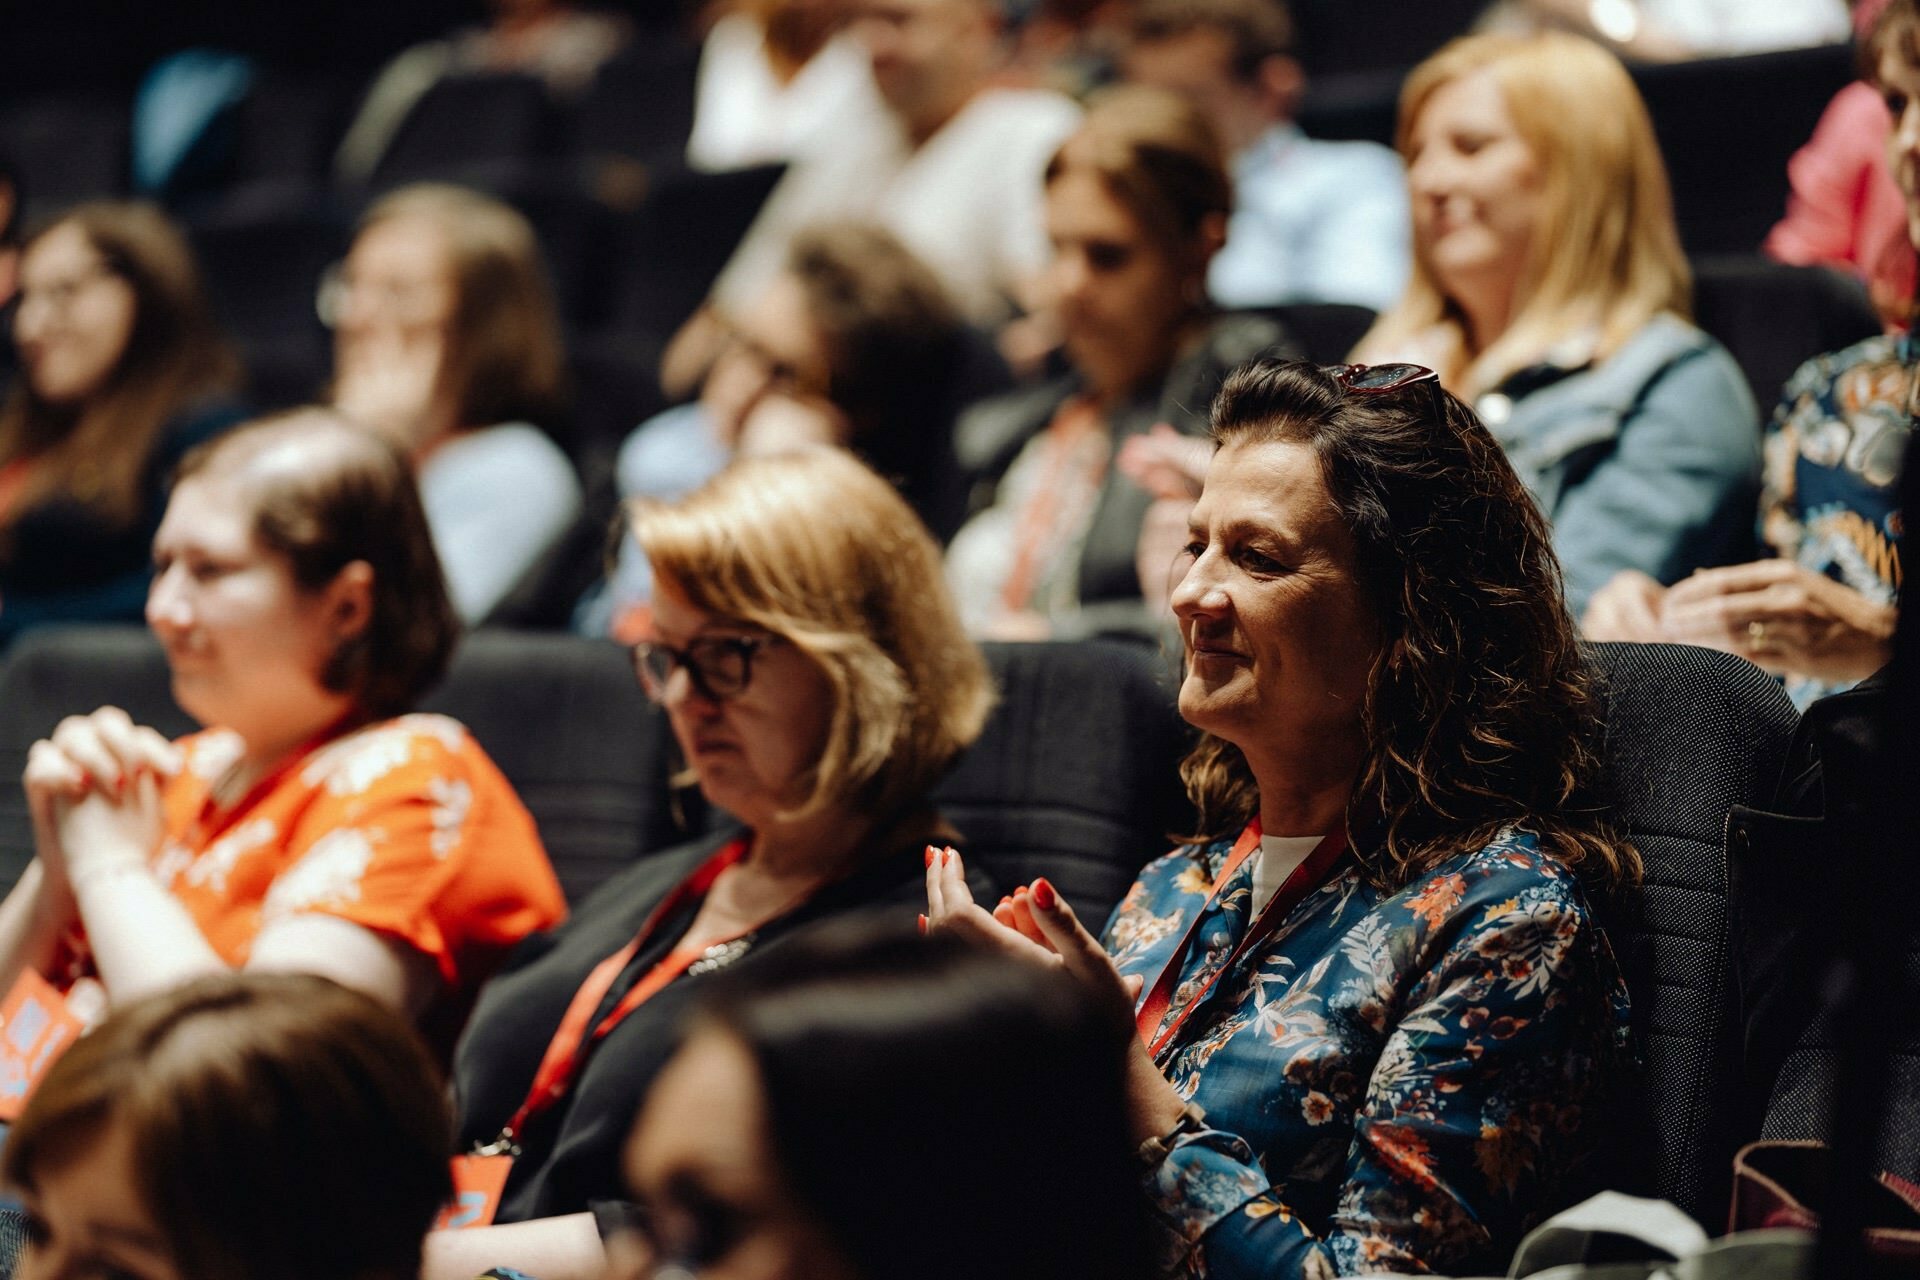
1757	636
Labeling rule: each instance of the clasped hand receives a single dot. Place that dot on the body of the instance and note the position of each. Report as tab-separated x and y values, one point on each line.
1035	924
1783	617
93	789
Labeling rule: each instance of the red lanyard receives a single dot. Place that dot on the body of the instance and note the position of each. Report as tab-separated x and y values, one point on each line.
571	1040
212	819
1305	878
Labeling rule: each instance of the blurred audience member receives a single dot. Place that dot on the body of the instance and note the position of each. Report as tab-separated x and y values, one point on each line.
1550	290
11	199
562	42
446	340
817	683
854	344
952	168
1312	221
1136	204
869	1050
121	372
1676	30
243	1127
1822	612
315	825
1070	46
778	79
1844	209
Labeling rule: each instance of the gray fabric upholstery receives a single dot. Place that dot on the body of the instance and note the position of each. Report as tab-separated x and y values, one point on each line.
1076	775
1690	733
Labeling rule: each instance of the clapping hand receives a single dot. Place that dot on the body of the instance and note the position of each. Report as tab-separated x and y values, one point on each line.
1036	924
389	384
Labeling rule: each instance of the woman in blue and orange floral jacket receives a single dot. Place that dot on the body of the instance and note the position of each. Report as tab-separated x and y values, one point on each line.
1378	1018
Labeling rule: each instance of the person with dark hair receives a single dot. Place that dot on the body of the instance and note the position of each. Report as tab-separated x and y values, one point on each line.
817	684
781	1126
241	1127
854	344
1313	221
121	372
315	825
1137	203
446	338
1378	1019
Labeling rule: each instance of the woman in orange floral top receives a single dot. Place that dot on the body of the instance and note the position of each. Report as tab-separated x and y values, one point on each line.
1379	1024
314	825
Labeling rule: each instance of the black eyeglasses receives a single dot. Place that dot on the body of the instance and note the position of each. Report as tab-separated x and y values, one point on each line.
1377	379
720	667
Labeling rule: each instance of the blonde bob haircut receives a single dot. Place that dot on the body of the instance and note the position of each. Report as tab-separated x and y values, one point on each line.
1606	256
816	548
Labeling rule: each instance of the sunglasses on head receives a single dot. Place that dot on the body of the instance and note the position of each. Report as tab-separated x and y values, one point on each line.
1377	379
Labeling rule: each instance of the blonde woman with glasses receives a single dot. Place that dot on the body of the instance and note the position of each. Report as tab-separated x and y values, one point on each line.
817	683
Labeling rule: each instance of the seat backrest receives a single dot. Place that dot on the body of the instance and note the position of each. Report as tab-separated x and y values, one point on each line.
1772	317
68	148
562	716
471	120
672	248
640	104
1076	775
1728	193
1328	330
1689	734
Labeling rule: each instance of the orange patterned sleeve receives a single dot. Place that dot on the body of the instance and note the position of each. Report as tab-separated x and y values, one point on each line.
410	830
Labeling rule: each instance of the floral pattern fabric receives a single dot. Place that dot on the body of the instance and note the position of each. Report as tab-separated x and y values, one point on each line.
1830	500
404	827
1400	1082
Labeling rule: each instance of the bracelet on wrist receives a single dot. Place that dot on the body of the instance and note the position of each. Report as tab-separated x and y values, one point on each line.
1154	1150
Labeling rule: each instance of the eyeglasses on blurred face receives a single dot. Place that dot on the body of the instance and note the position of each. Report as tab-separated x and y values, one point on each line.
718	667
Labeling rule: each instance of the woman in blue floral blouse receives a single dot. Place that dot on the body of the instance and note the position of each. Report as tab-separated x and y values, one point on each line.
1378	1019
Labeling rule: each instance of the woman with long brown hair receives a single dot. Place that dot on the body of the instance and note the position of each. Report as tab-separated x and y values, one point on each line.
447	341
121	372
1378	1021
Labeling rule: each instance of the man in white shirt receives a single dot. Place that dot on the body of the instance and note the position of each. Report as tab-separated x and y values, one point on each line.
954	168
1313	221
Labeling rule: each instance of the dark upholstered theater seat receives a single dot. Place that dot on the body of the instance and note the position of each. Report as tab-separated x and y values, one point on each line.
1690	733
471	120
1773	317
563	718
1076	776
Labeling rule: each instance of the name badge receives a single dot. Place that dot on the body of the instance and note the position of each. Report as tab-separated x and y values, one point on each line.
477	1184
36	1026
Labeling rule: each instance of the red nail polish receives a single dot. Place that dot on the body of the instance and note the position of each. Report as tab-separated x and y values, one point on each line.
1044	896
929	855
923	923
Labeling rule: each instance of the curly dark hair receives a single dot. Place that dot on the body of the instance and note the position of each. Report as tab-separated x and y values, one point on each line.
1481	713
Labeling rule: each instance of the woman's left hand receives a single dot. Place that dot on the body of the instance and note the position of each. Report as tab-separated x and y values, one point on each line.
103	834
1782	617
1036	924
